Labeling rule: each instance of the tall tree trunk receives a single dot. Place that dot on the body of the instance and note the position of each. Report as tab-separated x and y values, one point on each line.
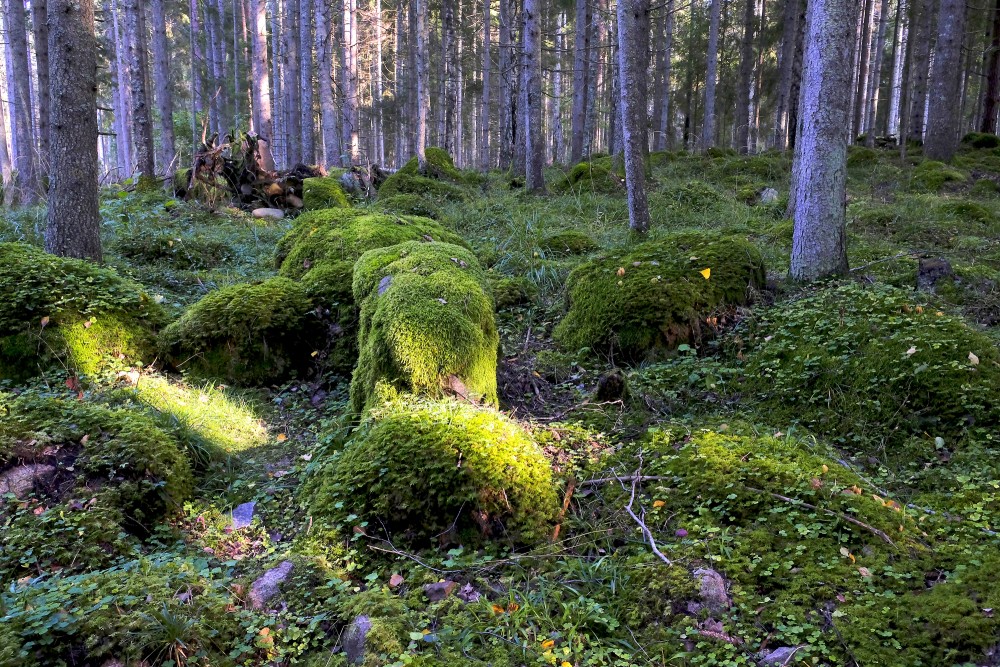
327	104
819	245
581	77
745	79
213	89
458	129
19	94
534	142
349	127
666	119
507	101
633	58
5	163
377	102
863	58
39	24
789	38
556	129
925	13
595	78
279	140
944	110
484	113
711	75
412	93
519	117
306	81
423	82
197	82
74	222
875	77
164	95
263	122
991	98
448	70
900	49
121	99
401	124
142	119
291	88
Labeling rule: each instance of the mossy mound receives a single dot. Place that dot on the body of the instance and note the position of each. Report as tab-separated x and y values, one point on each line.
966	210
870	367
103	474
246	334
179	251
427	323
56	311
409	204
324	192
981	140
440	166
984	187
658	294
509	292
931	176
692	196
437	471
591	177
860	156
440	182
569	242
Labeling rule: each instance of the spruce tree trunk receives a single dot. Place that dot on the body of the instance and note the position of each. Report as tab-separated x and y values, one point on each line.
39	25
164	95
399	90
446	128
507	101
197	83
898	62
219	66
327	104
711	76
876	75
581	77
991	98
142	119
261	74
423	83
5	164
349	126
484	112
291	90
306	81
789	36
925	13
666	120
862	57
819	246
519	117
943	113
19	94
534	141
377	102
556	126
745	79
73	228
595	78
120	95
633	58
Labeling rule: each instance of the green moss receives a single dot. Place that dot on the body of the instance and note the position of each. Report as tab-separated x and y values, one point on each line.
966	210
180	251
424	469
68	312
568	242
655	295
509	292
981	140
931	176
426	323
591	177
859	156
433	189
692	196
248	334
440	166
325	192
984	187
409	204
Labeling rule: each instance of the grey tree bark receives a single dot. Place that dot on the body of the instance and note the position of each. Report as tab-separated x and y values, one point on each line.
327	105
876	74
863	59
581	77
484	112
197	84
423	83
711	76
900	50
507	102
142	119
377	102
924	12
73	228
556	126
666	121
745	79
306	81
263	121
991	96
19	94
39	25
164	94
789	36
534	141
633	57
819	247
446	131
349	84
290	89
944	108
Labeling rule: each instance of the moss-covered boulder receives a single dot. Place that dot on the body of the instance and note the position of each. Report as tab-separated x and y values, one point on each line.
871	367
98	475
592	176
70	313
980	140
246	334
323	192
568	242
509	292
441	182
427	324
658	294
932	176
439	471
409	204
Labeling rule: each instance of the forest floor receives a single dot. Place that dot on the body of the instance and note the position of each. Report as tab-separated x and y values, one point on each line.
805	520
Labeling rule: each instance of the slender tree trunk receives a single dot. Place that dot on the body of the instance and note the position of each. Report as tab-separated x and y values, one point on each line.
19	92
5	164
458	129
279	140
875	77
212	68
484	113
349	127
306	81
290	88
925	13
991	98
142	120
219	66
863	58
534	142
898	61
745	79
507	101
327	104
614	108
197	83
263	120
789	38
666	121
73	218
519	117
708	127
423	82
633	57
377	102
944	110
556	129
595	78
121	97
447	109
164	95
819	245
581	77
40	27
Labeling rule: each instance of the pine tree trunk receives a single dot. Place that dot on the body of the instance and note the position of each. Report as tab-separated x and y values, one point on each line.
164	95
862	57
219	66
943	114
291	90
925	13
819	239
484	112
213	86
39	24
899	52
519	117
142	120
423	82
458	129
19	94
876	75
789	35
377	102
197	83
581	77
349	126
991	98
633	58
260	72
448	70
120	99
595	78
556	129
306	81
666	121
327	105
745	79
535	142
711	76
507	101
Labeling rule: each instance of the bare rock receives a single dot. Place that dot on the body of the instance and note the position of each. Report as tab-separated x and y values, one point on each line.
468	594
713	590
768	196
440	590
779	657
243	515
269	584
22	479
274	213
354	639
932	270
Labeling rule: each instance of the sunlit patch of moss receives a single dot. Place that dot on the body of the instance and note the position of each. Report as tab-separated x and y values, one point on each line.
568	242
441	182
323	192
657	294
427	323
409	204
422	469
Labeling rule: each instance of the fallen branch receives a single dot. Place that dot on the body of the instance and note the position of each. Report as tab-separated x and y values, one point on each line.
872	529
565	506
642	524
631	478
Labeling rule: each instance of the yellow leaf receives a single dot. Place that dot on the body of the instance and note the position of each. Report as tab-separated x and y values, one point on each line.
565	664
621	271
920	309
497	609
314	353
282	437
707	273
826	468
548	643
939	314
659	503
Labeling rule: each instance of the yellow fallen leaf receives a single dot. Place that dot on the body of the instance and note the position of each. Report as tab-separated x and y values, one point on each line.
659	503
548	643
282	437
920	309
621	271
565	664
707	273
826	468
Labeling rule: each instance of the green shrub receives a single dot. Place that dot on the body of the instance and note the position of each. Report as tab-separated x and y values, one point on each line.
931	176
247	334
409	204
422	469
509	292
325	192
426	325
658	294
981	140
60	311
568	242
591	177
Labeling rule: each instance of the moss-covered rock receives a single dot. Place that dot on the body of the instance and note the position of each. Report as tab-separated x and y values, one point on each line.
409	204
427	323
931	176
692	196
591	177
247	334
985	187
658	294
568	242
69	313
981	140
323	192
966	210
509	292
426	469
860	156
440	182
106	471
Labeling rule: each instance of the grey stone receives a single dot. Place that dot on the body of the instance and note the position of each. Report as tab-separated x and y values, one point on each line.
713	590
780	656
275	213
269	584
440	590
354	639
383	285
768	196
22	479
468	594
243	515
